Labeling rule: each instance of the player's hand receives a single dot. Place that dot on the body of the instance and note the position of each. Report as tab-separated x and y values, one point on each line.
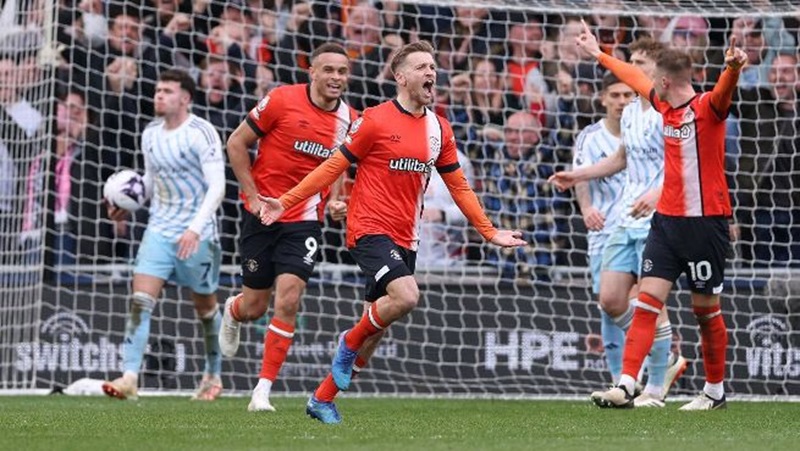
735	58
188	244
115	213
271	210
645	204
594	220
587	42
337	210
508	238
734	232
563	180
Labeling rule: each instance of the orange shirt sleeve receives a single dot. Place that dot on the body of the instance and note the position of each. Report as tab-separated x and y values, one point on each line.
467	201
721	95
264	116
316	181
629	74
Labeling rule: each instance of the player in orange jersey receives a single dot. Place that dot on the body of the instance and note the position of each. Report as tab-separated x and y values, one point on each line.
396	145
689	231
297	128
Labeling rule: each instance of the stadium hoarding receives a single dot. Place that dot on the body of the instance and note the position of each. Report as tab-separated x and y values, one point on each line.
462	340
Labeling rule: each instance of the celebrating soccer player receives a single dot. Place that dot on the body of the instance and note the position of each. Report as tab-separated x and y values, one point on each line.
642	153
396	145
689	231
185	172
297	127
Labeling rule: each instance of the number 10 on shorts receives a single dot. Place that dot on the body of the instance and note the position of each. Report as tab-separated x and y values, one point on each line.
700	271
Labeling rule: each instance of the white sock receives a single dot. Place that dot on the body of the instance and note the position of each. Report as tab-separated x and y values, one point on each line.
264	385
628	382
654	390
131	375
716	391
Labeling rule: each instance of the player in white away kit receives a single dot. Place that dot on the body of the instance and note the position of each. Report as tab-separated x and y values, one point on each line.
185	175
600	199
642	153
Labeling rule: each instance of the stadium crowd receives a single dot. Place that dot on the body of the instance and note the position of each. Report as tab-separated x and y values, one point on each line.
513	85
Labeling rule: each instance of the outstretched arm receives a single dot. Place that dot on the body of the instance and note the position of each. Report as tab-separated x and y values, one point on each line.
467	201
319	179
609	165
629	74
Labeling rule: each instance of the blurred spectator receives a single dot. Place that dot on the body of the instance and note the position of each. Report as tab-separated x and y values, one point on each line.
474	32
768	179
443	232
369	58
307	25
525	43
120	80
518	196
21	146
614	32
692	34
653	26
480	104
78	231
762	39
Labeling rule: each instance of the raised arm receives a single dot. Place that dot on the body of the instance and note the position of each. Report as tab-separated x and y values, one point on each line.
628	73
721	95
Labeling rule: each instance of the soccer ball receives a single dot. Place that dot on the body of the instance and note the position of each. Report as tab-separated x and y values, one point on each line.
125	190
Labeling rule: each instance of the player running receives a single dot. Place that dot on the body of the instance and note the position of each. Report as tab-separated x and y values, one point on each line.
185	172
396	145
297	127
689	231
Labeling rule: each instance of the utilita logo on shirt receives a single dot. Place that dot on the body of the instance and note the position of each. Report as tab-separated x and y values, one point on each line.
680	133
410	165
313	148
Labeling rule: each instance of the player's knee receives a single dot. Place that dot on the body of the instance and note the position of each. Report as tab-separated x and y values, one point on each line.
407	298
613	304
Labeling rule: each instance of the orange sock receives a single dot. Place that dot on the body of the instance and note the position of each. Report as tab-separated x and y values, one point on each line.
640	336
327	390
235	307
276	346
370	324
714	342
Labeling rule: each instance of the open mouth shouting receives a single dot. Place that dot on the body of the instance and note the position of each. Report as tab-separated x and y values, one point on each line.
427	88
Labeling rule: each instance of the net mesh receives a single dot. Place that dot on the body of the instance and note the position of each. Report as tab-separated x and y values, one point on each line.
510	323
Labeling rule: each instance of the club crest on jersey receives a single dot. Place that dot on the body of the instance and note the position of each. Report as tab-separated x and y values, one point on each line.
313	148
684	132
411	165
251	265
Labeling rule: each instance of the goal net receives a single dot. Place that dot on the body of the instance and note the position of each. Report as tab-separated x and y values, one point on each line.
77	79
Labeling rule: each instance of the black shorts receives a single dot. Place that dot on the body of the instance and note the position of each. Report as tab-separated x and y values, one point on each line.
697	247
268	251
382	261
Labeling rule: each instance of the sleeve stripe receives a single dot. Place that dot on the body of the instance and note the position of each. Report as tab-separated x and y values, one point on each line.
205	130
254	126
448	168
347	154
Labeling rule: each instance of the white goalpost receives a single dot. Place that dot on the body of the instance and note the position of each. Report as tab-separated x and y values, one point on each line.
489	323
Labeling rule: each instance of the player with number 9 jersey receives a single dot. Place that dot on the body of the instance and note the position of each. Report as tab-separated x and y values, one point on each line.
297	128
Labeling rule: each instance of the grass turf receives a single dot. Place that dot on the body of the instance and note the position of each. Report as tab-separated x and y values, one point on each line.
64	423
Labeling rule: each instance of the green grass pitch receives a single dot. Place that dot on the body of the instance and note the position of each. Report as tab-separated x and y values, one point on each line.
65	423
